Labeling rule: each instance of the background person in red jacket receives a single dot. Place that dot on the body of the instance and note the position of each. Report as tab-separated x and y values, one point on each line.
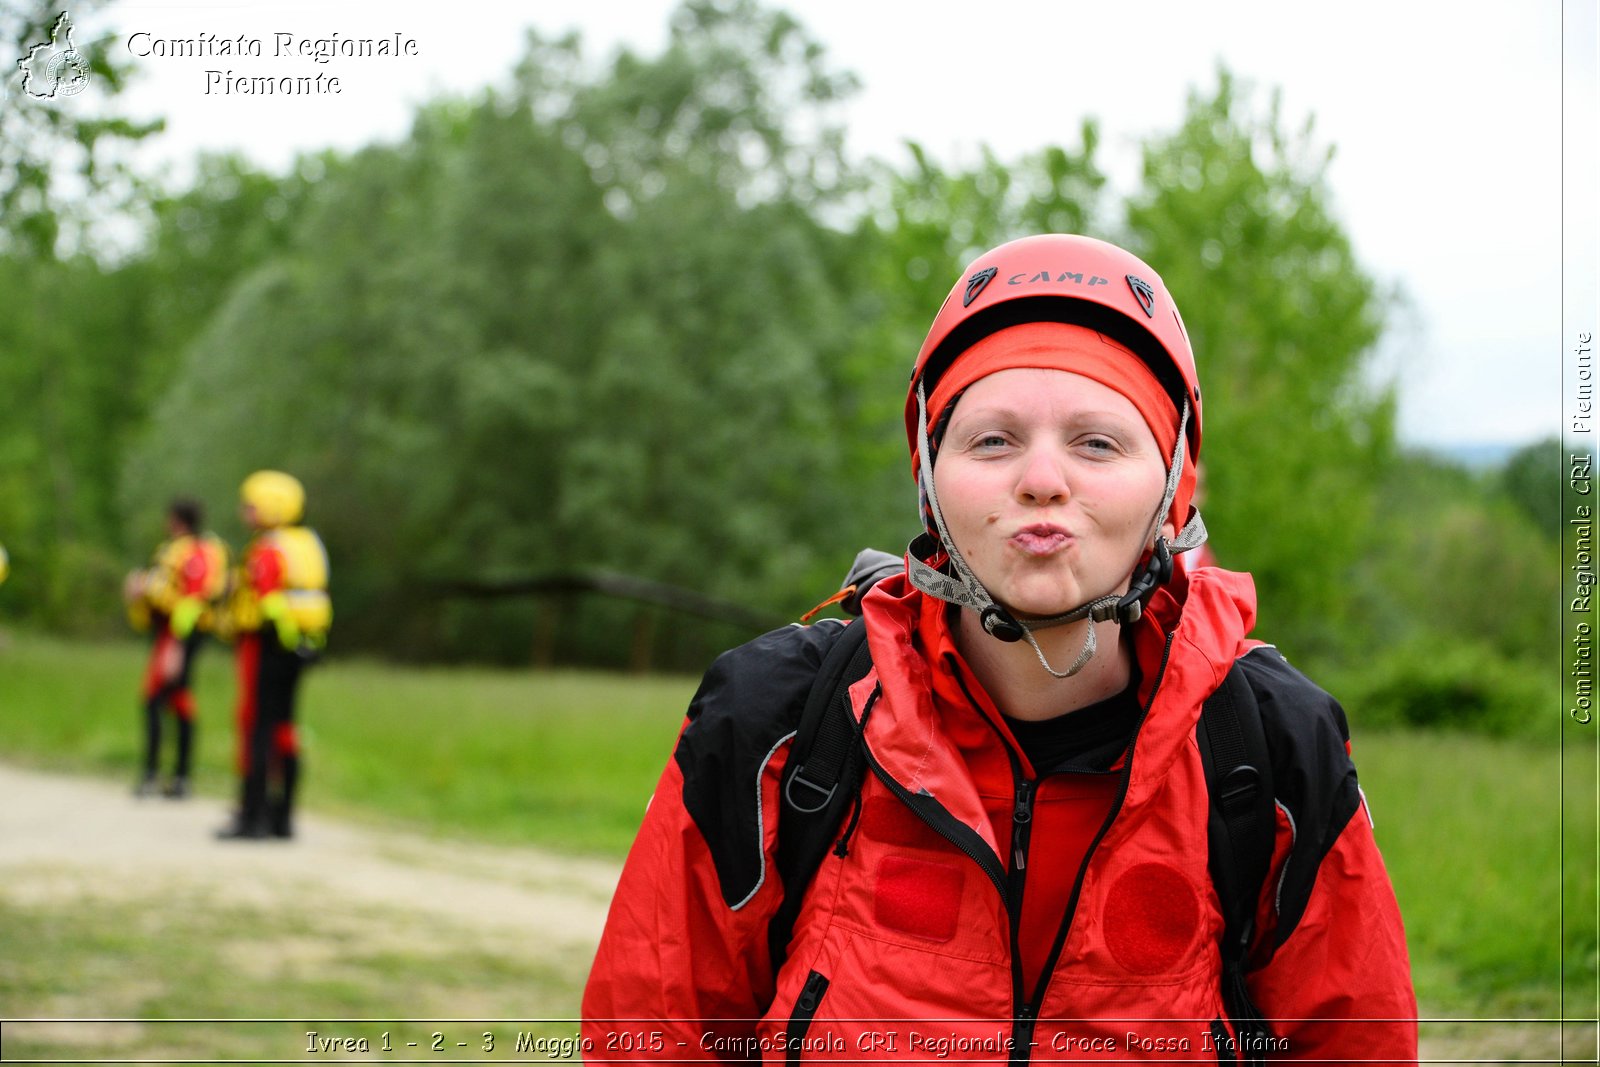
1027	871
173	600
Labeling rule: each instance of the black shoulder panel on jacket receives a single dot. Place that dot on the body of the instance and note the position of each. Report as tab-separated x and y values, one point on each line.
748	703
1312	774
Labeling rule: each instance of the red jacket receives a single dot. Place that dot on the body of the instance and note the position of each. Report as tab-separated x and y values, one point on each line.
928	938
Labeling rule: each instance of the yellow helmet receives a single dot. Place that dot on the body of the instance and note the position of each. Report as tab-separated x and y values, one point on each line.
278	498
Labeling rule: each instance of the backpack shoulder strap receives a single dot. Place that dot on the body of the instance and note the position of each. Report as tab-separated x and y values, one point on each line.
821	779
1243	821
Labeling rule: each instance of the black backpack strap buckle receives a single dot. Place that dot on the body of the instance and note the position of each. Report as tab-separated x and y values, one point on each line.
1239	788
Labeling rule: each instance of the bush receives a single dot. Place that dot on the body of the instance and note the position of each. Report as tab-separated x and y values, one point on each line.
80	591
1445	683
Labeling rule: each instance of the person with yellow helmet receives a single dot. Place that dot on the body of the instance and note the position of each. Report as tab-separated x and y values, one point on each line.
172	599
279	613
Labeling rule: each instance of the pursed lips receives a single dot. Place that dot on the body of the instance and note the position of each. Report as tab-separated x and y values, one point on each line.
1041	539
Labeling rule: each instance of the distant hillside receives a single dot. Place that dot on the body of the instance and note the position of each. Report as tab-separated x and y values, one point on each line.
1476	457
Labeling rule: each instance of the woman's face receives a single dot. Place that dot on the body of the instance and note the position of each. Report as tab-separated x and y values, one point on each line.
1048	482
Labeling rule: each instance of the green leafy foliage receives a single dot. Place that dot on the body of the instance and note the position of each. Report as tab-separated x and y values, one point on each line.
1443	682
1457	559
1236	212
1459	592
60	169
65	417
645	317
512	345
65	411
1532	479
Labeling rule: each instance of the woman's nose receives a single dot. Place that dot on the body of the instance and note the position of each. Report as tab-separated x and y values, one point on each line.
1043	478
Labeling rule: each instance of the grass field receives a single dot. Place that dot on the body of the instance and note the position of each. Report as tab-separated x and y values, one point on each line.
1471	829
564	759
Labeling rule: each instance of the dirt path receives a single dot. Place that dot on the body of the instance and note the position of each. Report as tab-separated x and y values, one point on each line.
56	829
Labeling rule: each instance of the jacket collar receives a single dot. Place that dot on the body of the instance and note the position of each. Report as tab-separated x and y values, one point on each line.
934	729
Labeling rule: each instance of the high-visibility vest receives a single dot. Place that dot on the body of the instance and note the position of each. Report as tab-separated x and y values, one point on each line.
186	566
305	582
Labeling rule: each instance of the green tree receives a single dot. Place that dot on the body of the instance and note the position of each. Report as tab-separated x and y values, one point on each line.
64	415
1532	479
200	240
65	314
88	345
578	324
60	172
1236	213
1460	591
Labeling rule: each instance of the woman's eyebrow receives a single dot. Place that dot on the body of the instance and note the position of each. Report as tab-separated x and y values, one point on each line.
989	412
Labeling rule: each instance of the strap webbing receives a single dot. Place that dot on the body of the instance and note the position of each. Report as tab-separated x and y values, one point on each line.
821	778
1243	821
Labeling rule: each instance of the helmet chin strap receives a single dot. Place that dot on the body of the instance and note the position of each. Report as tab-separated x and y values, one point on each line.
963	589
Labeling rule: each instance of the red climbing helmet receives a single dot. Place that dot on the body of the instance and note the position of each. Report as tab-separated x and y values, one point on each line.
1064	278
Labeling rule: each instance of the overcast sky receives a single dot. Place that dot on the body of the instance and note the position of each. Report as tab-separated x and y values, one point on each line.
1447	125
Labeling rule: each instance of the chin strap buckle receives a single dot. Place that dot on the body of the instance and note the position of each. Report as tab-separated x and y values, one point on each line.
997	622
1156	572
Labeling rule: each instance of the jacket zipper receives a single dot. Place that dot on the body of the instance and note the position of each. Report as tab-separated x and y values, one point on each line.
1026	1012
1034	1003
805	1009
1026	1015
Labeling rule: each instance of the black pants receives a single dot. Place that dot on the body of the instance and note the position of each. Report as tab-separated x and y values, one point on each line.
162	695
273	750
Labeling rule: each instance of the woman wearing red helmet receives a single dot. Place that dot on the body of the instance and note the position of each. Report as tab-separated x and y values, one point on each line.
1030	868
